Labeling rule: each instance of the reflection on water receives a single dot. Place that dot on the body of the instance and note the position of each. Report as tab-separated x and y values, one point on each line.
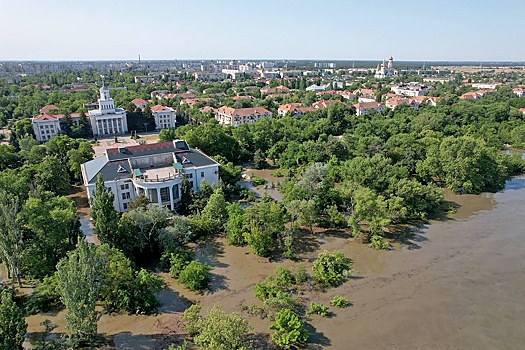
516	183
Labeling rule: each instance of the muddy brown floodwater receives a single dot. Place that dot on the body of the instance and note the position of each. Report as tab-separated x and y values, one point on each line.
458	285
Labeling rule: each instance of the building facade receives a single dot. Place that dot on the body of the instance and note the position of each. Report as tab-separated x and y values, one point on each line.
164	117
46	126
107	120
155	170
235	117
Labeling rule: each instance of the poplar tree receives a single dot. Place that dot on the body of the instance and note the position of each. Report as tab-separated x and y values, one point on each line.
105	217
79	287
13	327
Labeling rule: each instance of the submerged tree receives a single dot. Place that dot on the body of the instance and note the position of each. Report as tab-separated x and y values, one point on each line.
12	324
10	236
79	287
104	215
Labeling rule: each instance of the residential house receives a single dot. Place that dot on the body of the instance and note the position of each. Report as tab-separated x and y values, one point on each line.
365	107
412	89
520	92
139	103
232	116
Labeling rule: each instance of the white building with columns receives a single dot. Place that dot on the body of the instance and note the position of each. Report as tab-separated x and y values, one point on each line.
107	120
155	170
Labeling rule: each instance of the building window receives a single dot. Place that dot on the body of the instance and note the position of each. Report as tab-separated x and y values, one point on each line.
125	206
202	173
190	176
124	187
165	194
176	192
126	195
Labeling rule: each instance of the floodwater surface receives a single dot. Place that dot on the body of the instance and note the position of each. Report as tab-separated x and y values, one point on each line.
458	284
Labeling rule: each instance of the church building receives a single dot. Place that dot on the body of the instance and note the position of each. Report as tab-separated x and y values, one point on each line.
385	71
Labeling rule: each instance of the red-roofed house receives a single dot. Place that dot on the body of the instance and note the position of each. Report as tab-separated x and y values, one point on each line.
47	125
324	104
164	117
365	107
276	90
140	103
520	92
232	116
48	108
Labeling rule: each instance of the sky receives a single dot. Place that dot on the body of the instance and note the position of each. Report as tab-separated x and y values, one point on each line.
409	30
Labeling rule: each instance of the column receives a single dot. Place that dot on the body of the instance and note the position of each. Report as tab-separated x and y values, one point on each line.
170	190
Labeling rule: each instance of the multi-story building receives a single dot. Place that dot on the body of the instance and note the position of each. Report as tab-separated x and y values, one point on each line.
155	170
232	116
412	89
164	117
107	120
365	107
46	126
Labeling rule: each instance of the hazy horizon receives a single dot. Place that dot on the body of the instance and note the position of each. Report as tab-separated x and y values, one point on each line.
337	30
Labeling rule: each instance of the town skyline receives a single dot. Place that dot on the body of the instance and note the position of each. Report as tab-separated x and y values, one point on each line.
232	29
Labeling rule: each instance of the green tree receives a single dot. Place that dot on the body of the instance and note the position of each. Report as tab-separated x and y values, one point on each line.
289	329
217	330
179	232
78	156
369	208
149	222
235	225
79	286
52	176
215	214
51	228
10	236
195	275
330	269
105	217
13	327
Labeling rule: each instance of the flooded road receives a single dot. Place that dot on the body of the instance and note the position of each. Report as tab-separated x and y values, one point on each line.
458	285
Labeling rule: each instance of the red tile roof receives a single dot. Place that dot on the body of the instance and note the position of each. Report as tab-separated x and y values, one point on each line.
242	111
48	108
139	101
160	108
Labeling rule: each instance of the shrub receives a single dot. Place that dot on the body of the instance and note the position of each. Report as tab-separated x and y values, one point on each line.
195	275
289	329
299	274
192	319
45	296
258	181
378	242
179	260
217	330
280	300
283	277
335	218
330	269
339	301
318	309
